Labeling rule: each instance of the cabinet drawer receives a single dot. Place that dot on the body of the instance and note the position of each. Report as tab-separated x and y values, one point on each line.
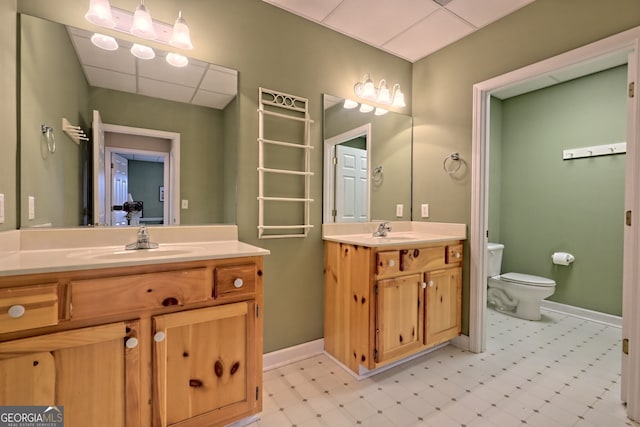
454	254
113	295
28	307
387	262
422	258
235	280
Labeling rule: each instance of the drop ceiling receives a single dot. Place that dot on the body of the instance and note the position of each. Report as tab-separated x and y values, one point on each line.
410	29
198	83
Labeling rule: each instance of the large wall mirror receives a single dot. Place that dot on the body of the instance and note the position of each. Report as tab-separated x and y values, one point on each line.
367	164
168	139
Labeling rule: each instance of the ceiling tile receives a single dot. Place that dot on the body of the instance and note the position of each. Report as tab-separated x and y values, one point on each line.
436	31
216	80
116	60
377	21
211	99
481	13
159	69
99	77
311	9
164	90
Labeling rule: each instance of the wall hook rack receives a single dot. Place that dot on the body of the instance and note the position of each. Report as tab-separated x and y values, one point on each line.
74	132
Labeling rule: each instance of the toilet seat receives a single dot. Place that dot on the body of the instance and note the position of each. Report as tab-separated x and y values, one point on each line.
527	279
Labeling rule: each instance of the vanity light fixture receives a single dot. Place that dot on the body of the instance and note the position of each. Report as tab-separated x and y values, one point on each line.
381	111
142	51
177	60
99	13
365	108
382	94
142	24
349	104
180	36
104	42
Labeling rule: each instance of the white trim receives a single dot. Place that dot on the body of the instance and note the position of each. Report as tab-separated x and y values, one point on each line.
285	356
582	313
329	170
172	179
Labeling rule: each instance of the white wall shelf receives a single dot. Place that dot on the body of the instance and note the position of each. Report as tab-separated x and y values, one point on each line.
286	109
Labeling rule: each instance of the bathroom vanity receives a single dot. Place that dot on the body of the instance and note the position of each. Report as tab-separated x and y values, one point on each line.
136	338
389	298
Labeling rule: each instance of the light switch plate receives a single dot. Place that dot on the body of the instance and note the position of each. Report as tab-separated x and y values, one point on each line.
185	204
424	210
399	210
1	208
32	207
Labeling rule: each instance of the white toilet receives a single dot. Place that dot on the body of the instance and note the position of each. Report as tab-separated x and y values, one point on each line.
515	294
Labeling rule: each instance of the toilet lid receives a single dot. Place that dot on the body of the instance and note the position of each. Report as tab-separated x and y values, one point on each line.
527	279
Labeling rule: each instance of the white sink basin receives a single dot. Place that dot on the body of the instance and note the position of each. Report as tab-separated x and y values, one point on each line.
123	254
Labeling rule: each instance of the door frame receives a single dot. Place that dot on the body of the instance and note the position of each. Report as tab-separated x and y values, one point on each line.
171	180
625	43
330	173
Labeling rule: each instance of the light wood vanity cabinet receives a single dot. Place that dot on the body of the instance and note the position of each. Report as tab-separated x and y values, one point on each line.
384	304
175	344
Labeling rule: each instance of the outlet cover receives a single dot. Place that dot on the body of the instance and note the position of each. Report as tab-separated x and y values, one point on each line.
185	204
32	207
424	210
1	208
399	210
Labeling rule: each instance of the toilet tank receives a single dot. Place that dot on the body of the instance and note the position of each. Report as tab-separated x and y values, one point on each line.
494	258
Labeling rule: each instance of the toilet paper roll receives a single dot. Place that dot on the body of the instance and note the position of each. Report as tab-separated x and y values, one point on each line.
562	258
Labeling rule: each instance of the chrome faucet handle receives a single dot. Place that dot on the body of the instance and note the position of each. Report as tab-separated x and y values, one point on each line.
143	234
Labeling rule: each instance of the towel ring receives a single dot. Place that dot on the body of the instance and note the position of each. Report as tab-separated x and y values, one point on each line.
50	137
452	163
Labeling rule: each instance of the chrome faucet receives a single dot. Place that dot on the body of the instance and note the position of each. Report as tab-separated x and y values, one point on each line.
143	240
382	230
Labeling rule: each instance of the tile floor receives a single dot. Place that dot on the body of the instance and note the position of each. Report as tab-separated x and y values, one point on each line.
561	371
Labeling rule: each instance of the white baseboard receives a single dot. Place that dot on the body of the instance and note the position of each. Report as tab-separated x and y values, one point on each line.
583	313
285	356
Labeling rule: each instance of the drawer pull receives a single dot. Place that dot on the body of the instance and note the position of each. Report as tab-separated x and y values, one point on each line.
16	311
218	369
170	301
458	255
131	342
392	263
235	367
159	336
238	283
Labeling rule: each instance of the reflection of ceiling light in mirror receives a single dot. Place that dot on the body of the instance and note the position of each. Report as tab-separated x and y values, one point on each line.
365	108
181	37
381	111
99	13
104	42
349	104
142	24
142	51
177	60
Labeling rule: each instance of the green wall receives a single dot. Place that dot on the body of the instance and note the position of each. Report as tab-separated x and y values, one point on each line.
45	46
548	204
8	112
145	180
443	83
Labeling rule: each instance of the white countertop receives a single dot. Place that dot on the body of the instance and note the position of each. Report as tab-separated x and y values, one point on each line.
402	233
41	251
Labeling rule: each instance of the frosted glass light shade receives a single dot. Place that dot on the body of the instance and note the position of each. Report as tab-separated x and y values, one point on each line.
368	89
104	42
177	60
99	13
365	108
384	97
398	97
381	111
180	37
142	51
349	104
142	24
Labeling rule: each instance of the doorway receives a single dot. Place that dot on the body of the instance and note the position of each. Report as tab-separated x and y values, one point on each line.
607	53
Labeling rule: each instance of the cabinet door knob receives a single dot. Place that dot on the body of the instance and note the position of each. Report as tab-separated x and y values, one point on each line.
159	336
238	283
431	283
458	255
16	311
131	342
424	285
392	263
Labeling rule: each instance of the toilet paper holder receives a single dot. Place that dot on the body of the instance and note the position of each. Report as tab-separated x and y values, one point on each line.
562	258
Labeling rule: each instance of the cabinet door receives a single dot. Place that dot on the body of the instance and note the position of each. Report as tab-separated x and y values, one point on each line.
82	370
444	305
205	366
399	317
